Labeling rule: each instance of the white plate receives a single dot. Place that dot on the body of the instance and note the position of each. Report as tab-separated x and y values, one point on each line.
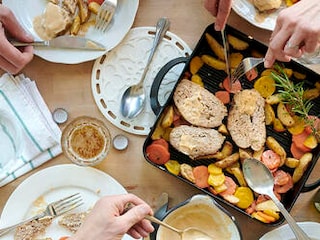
122	67
52	184
27	10
312	229
246	10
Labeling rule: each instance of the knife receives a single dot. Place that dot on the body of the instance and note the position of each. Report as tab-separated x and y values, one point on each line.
65	41
227	55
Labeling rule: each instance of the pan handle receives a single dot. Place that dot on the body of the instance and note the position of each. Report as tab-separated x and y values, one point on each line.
311	186
155	105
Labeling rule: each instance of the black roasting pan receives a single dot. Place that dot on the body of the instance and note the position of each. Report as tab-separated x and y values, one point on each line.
212	78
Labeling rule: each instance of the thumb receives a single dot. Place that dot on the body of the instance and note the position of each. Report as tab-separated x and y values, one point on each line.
135	215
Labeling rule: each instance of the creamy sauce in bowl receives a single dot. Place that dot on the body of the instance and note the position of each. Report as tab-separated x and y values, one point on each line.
205	217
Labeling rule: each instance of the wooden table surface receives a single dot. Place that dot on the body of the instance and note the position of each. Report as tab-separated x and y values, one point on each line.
69	86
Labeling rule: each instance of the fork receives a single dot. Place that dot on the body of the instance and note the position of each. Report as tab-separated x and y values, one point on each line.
105	14
245	66
54	209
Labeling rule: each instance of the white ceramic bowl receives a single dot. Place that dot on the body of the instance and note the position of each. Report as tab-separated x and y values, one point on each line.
204	213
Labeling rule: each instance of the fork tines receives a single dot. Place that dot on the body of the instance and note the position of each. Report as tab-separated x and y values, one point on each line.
67	204
105	14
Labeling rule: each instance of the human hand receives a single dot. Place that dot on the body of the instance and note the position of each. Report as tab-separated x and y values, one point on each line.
219	9
13	59
109	220
297	31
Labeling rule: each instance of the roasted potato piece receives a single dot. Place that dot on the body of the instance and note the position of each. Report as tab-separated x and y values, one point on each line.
186	172
269	114
278	126
298	126
273	144
168	117
216	47
223	129
265	85
235	59
236	43
244	154
237	172
291	162
301	168
195	64
227	161
258	154
284	115
84	12
213	62
75	27
94	7
197	79
273	99
312	93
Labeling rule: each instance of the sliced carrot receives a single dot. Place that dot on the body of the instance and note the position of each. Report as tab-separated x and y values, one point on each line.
231	187
280	177
299	139
162	142
201	175
158	154
236	86
223	96
284	188
271	159
295	151
97	1
64	238
252	74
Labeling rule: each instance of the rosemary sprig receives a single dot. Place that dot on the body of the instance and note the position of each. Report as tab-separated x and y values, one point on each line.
292	94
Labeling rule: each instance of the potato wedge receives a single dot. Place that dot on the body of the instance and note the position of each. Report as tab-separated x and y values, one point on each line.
301	168
168	117
269	114
291	162
228	161
258	154
265	85
75	27
213	62
84	12
237	43
235	59
273	144
216	47
284	115
186	172
195	64
278	126
273	99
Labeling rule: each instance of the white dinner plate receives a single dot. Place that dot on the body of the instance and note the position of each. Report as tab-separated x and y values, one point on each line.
122	67
53	183
312	229
246	10
27	10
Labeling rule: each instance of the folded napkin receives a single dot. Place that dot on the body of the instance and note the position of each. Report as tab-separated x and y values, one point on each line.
40	135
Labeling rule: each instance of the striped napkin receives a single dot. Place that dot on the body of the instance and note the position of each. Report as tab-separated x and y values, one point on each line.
40	135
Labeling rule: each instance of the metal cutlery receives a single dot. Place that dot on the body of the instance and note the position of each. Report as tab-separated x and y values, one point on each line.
105	14
54	209
65	41
245	66
226	54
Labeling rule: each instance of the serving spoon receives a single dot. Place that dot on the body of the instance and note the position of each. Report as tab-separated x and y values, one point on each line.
133	99
185	234
260	180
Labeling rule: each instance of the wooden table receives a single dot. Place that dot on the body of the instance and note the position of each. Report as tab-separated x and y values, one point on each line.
68	86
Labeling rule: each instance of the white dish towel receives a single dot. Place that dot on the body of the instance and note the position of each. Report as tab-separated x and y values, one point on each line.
40	135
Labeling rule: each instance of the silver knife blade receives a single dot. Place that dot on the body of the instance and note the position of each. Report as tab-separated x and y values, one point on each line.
65	41
227	54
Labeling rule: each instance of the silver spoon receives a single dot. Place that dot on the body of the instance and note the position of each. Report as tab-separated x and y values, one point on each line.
133	99
185	234
260	179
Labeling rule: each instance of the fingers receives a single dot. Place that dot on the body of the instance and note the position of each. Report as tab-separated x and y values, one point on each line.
224	9
12	26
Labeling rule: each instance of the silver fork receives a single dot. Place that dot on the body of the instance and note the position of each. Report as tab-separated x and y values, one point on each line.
54	209
105	14
245	66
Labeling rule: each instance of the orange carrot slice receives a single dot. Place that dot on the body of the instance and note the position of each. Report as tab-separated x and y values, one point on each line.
223	96
158	153
236	86
201	176
271	159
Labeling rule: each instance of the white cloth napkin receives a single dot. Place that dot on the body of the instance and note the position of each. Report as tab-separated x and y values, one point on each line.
40	135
